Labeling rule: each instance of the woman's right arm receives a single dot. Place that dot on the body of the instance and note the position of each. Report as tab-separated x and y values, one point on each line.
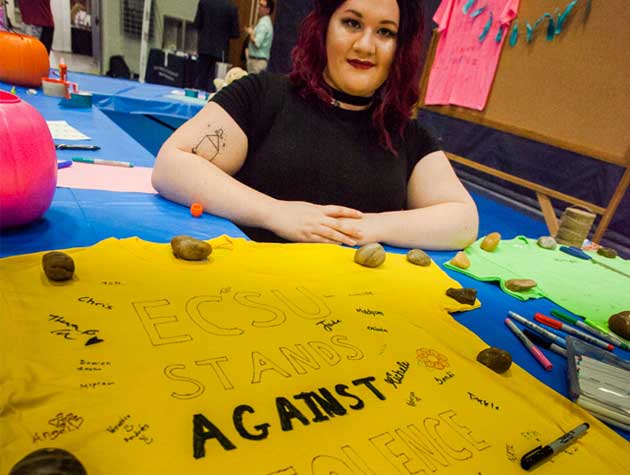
196	164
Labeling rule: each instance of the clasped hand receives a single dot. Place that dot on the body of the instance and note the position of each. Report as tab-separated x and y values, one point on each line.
300	221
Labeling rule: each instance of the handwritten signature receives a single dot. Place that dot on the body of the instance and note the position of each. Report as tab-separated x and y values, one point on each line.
62	423
131	431
413	399
328	324
449	375
395	377
70	331
481	401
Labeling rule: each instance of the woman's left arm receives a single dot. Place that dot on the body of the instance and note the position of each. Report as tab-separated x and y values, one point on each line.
440	213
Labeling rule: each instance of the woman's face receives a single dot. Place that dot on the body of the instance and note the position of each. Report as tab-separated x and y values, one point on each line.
360	45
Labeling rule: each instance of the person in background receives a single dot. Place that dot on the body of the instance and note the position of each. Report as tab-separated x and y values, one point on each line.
329	153
38	18
216	22
4	24
260	38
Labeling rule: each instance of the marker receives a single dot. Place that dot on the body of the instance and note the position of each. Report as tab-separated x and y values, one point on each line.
65	146
580	254
540	341
533	349
63	164
595	331
558	340
558	325
541	453
100	161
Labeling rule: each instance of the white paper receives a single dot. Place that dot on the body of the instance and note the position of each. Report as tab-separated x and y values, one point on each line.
60	129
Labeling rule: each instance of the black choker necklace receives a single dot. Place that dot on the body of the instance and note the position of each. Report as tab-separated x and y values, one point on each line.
340	96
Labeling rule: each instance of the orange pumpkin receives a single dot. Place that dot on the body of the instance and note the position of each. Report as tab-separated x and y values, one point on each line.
24	60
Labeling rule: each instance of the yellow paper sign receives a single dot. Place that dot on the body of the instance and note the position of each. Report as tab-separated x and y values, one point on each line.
265	359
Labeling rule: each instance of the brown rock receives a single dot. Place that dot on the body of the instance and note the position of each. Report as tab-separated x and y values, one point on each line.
418	257
608	252
370	255
464	295
620	324
461	260
490	242
48	462
58	266
518	285
496	359
190	248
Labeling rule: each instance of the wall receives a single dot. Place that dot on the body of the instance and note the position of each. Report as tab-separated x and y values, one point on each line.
116	42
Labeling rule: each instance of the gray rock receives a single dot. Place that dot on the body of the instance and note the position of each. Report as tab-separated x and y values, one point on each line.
547	242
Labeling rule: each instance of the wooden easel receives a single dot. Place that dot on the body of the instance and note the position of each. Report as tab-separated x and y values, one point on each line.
572	93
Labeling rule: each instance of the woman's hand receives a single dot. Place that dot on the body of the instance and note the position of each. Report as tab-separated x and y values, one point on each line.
366	226
299	221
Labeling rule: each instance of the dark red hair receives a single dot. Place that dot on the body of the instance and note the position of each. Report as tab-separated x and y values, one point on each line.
398	94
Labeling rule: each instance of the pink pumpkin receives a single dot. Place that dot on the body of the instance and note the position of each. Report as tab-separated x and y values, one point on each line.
28	163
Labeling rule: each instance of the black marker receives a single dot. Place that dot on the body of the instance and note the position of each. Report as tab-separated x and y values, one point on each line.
541	453
65	146
544	343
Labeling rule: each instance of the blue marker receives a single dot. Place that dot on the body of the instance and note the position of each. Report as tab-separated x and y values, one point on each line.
63	164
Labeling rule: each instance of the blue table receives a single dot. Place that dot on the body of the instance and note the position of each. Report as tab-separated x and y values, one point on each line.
132	97
84	217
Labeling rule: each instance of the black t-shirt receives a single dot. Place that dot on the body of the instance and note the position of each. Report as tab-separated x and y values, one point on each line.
305	150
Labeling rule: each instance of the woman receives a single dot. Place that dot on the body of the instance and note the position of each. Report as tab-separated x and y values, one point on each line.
328	154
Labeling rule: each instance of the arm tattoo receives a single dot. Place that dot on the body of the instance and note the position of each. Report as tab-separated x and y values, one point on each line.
210	145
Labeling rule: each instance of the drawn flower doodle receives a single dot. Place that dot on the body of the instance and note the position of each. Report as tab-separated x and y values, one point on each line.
431	358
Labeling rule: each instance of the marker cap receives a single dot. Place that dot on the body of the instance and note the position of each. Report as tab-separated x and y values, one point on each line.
196	210
551	322
535	456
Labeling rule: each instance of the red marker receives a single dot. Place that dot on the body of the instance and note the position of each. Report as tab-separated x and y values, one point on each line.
558	325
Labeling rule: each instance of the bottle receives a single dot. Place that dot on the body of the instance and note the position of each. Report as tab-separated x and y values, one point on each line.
63	70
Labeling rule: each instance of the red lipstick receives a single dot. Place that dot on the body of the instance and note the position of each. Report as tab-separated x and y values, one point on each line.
356	63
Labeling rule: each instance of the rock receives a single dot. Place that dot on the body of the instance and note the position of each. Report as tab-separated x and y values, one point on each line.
190	248
547	242
48	461
518	285
465	295
608	252
58	266
496	359
418	257
461	260
490	242
370	255
619	323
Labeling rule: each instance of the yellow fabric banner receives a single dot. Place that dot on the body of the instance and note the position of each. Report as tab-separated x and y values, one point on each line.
266	359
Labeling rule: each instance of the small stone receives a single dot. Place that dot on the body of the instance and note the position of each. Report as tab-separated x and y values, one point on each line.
461	260
608	252
518	285
496	359
418	257
464	295
58	266
48	461
370	255
620	324
490	242
190	248
547	242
